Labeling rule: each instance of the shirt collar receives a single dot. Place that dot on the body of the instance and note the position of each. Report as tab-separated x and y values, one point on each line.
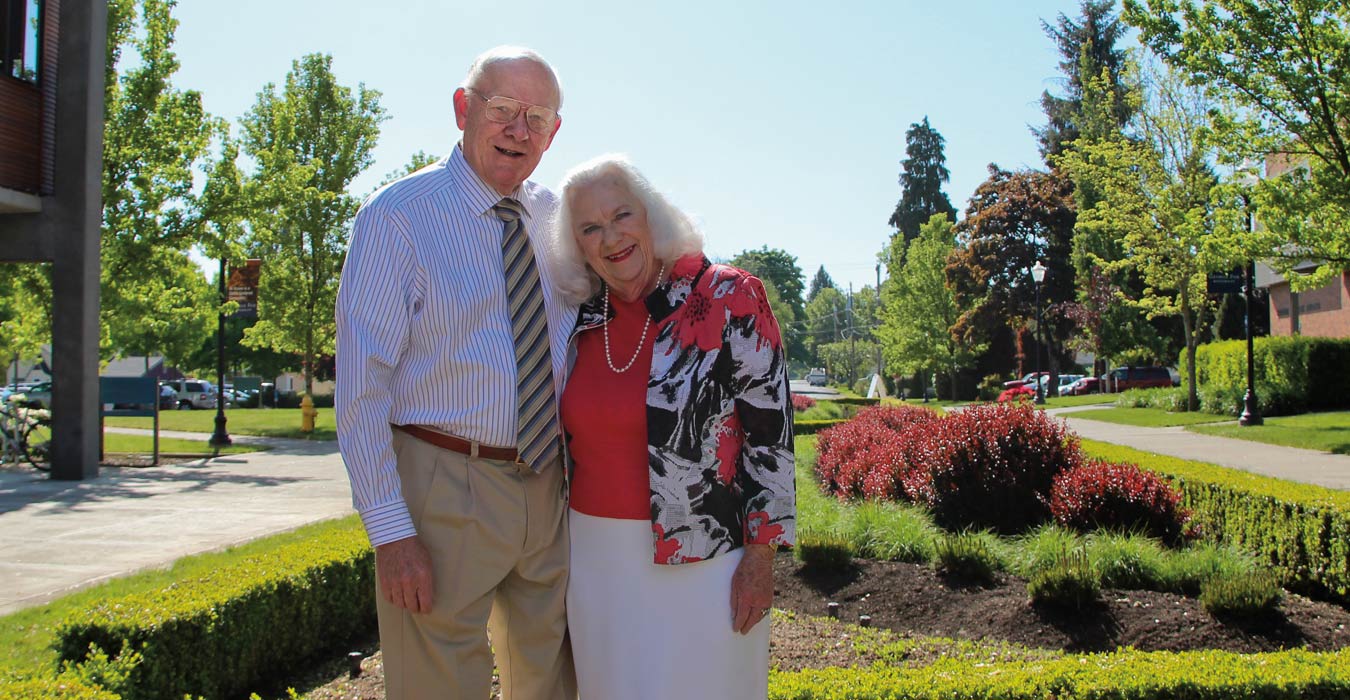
477	196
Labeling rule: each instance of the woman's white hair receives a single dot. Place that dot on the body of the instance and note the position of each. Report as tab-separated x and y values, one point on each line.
503	54
674	234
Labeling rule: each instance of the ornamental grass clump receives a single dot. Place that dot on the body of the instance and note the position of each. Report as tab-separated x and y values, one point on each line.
824	552
1069	582
1248	594
1120	497
966	555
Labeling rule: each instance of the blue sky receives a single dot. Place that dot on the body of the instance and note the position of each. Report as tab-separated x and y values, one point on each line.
774	123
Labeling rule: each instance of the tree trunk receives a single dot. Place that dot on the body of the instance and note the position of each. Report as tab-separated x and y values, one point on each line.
1187	324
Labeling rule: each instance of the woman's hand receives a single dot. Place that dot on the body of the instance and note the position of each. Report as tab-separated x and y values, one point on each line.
752	588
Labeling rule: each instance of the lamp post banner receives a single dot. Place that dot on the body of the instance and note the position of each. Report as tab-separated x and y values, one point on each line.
243	288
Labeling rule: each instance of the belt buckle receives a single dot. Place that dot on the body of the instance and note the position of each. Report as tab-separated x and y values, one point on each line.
473	449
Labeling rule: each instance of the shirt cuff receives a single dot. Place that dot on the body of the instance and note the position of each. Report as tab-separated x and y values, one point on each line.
388	523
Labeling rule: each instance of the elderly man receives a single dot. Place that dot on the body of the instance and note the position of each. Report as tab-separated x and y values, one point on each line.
450	353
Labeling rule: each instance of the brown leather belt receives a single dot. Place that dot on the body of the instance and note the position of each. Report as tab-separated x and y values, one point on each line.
460	445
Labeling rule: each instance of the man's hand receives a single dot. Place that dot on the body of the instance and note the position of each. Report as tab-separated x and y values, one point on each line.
403	569
752	588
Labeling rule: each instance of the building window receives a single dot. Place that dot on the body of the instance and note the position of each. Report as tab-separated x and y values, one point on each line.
20	38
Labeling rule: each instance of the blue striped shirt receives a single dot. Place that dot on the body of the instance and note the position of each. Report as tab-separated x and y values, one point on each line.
423	331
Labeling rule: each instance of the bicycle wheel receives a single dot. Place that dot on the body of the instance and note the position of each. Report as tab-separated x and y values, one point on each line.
37	440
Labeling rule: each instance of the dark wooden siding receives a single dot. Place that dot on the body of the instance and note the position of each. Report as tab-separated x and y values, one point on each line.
20	135
51	14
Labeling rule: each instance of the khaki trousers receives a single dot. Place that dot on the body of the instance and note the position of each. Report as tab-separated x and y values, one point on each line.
497	533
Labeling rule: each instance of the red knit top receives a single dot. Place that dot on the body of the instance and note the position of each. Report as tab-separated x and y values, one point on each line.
605	414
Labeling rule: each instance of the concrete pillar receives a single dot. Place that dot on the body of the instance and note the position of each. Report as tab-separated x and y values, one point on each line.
76	221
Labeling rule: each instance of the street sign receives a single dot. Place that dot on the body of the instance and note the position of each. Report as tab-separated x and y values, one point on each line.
1224	283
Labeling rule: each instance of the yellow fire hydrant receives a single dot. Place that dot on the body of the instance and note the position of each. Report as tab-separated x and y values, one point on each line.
307	414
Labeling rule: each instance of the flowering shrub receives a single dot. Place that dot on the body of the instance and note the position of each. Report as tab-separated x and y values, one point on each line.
1017	393
992	465
1118	496
983	466
875	447
801	403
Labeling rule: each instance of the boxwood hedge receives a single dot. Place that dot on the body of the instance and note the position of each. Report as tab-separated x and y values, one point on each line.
223	633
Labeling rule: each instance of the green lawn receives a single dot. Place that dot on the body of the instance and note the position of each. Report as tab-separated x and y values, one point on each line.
26	636
144	444
1084	400
1148	417
267	422
1329	432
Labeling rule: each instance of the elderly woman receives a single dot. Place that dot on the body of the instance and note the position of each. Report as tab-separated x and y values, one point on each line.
679	432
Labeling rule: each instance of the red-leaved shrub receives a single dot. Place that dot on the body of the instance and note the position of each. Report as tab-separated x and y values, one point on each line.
1118	496
801	403
992	465
869	454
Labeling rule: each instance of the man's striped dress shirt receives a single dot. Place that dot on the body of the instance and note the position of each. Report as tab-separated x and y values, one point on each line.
423	331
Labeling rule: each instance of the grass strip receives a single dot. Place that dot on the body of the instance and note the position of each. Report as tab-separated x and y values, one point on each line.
265	422
121	443
1148	417
1328	432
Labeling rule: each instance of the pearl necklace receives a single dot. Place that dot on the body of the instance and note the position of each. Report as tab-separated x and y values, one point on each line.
645	325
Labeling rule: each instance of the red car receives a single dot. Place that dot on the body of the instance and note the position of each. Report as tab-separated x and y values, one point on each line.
1084	386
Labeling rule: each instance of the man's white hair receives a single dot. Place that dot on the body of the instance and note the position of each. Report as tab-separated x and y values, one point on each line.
503	54
674	234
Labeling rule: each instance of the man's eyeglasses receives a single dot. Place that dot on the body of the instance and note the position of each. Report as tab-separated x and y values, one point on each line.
504	110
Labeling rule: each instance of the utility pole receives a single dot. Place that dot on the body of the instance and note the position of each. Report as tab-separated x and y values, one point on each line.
852	339
876	320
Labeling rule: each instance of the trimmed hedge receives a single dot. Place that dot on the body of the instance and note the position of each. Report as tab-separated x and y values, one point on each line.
1122	675
1301	531
223	633
51	689
1293	374
855	401
811	427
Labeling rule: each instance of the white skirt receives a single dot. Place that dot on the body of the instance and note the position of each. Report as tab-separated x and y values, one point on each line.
655	632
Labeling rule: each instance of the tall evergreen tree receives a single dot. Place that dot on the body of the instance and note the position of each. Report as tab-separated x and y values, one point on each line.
820	281
922	174
1087	46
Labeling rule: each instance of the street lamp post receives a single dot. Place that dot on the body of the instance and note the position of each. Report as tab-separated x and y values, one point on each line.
1251	410
220	437
1038	276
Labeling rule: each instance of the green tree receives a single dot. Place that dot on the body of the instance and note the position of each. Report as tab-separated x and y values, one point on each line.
920	309
819	282
25	310
1087	48
780	267
153	298
309	141
923	172
825	319
1014	220
847	359
419	160
1281	67
1156	194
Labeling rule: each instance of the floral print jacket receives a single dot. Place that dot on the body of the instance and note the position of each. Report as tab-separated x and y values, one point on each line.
719	416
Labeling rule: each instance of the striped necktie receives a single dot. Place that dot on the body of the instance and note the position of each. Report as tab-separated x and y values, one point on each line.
536	415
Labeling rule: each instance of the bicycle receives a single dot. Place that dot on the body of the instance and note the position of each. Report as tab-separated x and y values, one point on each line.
26	433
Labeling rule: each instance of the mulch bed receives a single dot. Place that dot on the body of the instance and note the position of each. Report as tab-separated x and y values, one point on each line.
915	601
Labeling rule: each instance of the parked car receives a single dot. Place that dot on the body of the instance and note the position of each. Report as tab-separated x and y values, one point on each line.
194	393
39	395
816	377
1124	378
1025	380
1065	380
168	397
1084	386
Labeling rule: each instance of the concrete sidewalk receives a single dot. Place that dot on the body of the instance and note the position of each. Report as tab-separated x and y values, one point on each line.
59	536
1307	466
